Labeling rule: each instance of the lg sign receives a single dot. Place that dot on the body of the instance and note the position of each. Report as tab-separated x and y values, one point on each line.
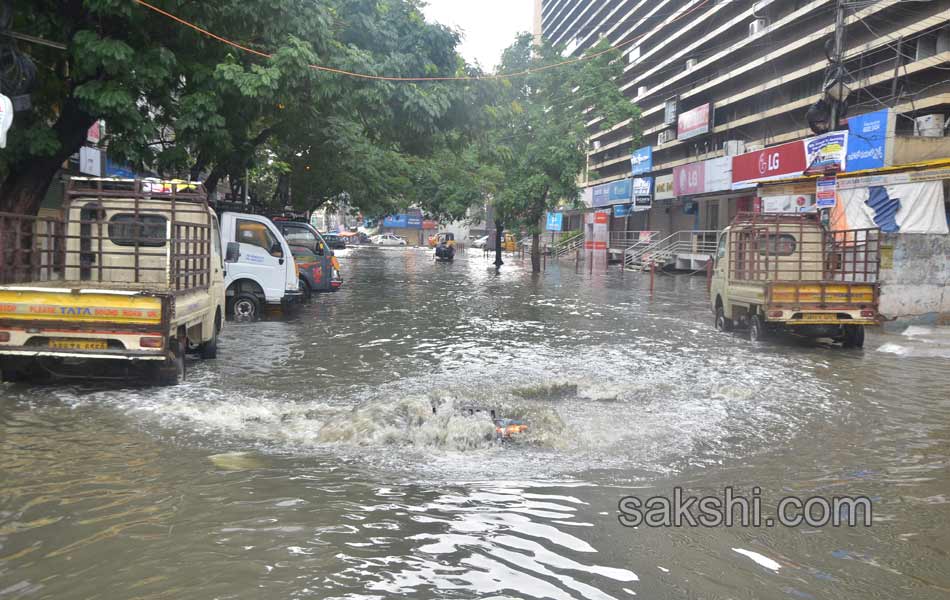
771	163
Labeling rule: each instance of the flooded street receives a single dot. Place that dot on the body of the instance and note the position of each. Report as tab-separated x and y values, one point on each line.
331	454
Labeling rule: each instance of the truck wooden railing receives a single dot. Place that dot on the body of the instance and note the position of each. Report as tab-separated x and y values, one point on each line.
788	247
134	233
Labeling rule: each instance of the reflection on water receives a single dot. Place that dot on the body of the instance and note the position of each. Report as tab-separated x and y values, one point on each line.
331	454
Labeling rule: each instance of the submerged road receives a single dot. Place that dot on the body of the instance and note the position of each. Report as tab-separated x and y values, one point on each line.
329	454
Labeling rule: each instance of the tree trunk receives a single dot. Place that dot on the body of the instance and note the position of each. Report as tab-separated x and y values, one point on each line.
499	231
535	252
25	187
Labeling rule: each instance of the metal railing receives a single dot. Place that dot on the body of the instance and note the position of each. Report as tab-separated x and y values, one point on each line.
631	239
567	246
662	251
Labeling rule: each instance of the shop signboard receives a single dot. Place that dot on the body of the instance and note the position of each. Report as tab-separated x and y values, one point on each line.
778	162
641	161
695	122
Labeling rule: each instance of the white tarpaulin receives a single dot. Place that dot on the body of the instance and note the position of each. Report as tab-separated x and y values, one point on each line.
903	208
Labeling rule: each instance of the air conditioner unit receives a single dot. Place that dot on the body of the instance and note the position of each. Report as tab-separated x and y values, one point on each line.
666	136
734	147
691	64
633	55
597	144
930	125
757	26
642	90
754	147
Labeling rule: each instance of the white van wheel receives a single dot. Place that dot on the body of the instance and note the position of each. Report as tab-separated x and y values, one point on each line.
246	307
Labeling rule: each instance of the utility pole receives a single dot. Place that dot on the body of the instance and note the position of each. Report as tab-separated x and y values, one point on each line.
838	66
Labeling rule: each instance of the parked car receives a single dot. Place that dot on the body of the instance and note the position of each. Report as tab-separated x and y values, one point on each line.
265	271
480	243
137	281
320	271
388	239
335	241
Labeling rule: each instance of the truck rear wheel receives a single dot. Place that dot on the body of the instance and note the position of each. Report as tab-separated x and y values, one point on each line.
757	330
853	336
722	323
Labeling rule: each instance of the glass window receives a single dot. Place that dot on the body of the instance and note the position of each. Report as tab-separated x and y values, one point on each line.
776	245
302	236
258	234
303	255
721	250
144	230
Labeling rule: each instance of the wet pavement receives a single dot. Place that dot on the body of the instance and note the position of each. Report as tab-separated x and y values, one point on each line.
330	454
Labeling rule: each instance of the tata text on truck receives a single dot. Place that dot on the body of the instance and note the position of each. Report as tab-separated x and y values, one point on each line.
132	275
264	273
785	271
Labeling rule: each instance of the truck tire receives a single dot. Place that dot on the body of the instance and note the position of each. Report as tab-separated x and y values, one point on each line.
853	336
246	307
722	323
757	330
172	371
209	349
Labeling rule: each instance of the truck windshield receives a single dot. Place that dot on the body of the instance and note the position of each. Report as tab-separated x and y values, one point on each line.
141	230
776	245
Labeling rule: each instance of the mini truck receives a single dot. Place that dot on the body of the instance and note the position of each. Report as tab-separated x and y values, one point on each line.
786	271
132	275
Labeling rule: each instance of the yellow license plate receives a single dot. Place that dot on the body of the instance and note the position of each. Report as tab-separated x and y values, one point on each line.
819	317
65	344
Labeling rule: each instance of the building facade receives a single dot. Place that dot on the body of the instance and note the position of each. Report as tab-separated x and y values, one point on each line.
725	89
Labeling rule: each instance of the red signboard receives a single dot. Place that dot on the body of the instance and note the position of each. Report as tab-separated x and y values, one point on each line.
778	162
602	217
689	179
694	122
430	224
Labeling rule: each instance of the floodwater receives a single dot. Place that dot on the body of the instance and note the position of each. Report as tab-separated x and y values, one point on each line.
331	454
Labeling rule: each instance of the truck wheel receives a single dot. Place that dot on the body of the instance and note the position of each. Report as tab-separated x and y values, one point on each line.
757	331
246	307
209	349
305	288
853	336
722	323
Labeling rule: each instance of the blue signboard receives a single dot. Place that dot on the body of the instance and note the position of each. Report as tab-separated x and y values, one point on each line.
867	141
118	170
620	191
555	221
600	196
403	221
622	210
642	160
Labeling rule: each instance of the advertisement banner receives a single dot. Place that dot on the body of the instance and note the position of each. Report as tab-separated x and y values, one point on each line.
622	210
403	221
718	174
867	141
643	186
642	203
694	122
620	191
689	179
663	188
826	153
554	221
600	196
827	189
641	161
788	204
777	162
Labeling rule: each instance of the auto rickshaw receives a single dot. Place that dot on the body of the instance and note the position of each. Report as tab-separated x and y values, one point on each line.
447	238
510	243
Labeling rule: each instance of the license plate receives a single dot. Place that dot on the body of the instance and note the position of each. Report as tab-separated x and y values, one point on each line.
69	344
819	317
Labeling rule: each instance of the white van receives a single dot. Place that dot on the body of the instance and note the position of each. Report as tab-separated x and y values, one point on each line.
261	267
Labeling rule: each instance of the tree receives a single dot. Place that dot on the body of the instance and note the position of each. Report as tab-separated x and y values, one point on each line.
185	105
541	122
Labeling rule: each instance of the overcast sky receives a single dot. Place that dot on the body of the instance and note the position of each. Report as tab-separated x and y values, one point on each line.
487	26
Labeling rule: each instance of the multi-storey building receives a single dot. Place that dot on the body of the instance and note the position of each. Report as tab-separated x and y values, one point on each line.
716	79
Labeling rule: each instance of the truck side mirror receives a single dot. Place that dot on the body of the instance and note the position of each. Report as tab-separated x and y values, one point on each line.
233	252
